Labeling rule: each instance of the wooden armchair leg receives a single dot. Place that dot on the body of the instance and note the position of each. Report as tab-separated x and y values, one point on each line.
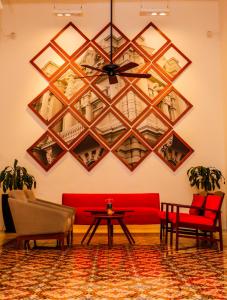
171	234
177	239
161	230
197	238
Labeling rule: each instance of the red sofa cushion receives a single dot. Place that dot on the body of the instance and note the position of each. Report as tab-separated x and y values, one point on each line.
146	206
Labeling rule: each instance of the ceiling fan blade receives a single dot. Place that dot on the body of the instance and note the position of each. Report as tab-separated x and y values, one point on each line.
127	66
136	75
113	79
93	68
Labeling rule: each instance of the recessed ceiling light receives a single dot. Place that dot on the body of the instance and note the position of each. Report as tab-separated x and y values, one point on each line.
154	11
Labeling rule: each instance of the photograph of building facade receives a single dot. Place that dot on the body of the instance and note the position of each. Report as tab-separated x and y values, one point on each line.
131	105
152	129
90	105
92	58
110	128
47	106
89	151
68	128
173	105
131	151
68	83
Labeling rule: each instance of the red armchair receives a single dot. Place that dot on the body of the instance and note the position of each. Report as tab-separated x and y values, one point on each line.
168	212
199	227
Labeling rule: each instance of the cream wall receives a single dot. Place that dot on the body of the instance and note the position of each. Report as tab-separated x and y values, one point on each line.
204	127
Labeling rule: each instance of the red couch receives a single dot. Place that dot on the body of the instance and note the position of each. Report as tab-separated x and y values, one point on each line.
145	206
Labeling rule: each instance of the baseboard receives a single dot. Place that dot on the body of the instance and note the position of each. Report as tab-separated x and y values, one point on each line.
133	228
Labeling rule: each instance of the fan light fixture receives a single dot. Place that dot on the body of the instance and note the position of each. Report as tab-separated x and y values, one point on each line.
154	11
1	6
67	12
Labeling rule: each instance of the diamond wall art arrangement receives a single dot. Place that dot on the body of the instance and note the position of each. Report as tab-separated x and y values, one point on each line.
88	117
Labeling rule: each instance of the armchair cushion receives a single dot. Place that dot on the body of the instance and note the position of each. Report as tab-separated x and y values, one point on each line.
193	220
18	194
198	201
212	202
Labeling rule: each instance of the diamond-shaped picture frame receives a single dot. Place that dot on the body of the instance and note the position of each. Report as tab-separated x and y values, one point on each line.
47	105
102	41
46	151
110	128
131	105
69	84
89	105
171	62
173	150
89	151
131	54
89	56
110	91
70	40
152	128
154	86
49	61
151	40
173	106
131	151
68	128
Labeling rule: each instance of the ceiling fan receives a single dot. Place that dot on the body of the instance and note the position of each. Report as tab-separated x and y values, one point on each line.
113	70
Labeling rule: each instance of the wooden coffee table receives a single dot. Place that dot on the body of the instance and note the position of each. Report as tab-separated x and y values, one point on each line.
99	216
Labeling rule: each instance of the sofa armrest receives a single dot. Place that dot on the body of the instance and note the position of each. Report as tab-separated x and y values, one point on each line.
63	207
30	218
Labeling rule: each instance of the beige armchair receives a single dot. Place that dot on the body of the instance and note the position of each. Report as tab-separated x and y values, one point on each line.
37	222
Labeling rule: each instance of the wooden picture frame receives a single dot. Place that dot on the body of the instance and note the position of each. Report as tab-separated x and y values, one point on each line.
131	105
110	128
101	41
173	105
152	128
173	150
153	87
171	62
46	151
89	151
131	151
90	105
47	105
69	83
151	40
75	37
68	128
49	61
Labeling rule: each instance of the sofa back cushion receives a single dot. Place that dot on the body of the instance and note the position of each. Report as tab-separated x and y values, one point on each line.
118	200
198	201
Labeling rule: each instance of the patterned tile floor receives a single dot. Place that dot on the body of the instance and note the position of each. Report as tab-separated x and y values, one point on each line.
146	271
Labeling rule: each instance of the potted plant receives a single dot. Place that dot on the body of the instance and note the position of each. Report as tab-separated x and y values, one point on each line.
205	178
13	178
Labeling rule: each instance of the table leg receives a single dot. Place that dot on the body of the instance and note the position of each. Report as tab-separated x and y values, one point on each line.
126	231
96	222
89	229
110	233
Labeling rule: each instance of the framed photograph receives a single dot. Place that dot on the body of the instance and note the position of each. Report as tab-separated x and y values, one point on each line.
70	40
69	84
171	62
110	128
90	105
110	91
49	61
89	151
173	106
47	105
151	40
131	151
173	150
68	128
46	151
152	128
131	54
102	40
131	105
89	56
154	86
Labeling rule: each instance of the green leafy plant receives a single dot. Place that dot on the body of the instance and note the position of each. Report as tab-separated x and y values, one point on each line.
205	178
16	178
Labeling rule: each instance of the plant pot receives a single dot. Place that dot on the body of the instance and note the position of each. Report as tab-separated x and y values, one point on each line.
7	217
